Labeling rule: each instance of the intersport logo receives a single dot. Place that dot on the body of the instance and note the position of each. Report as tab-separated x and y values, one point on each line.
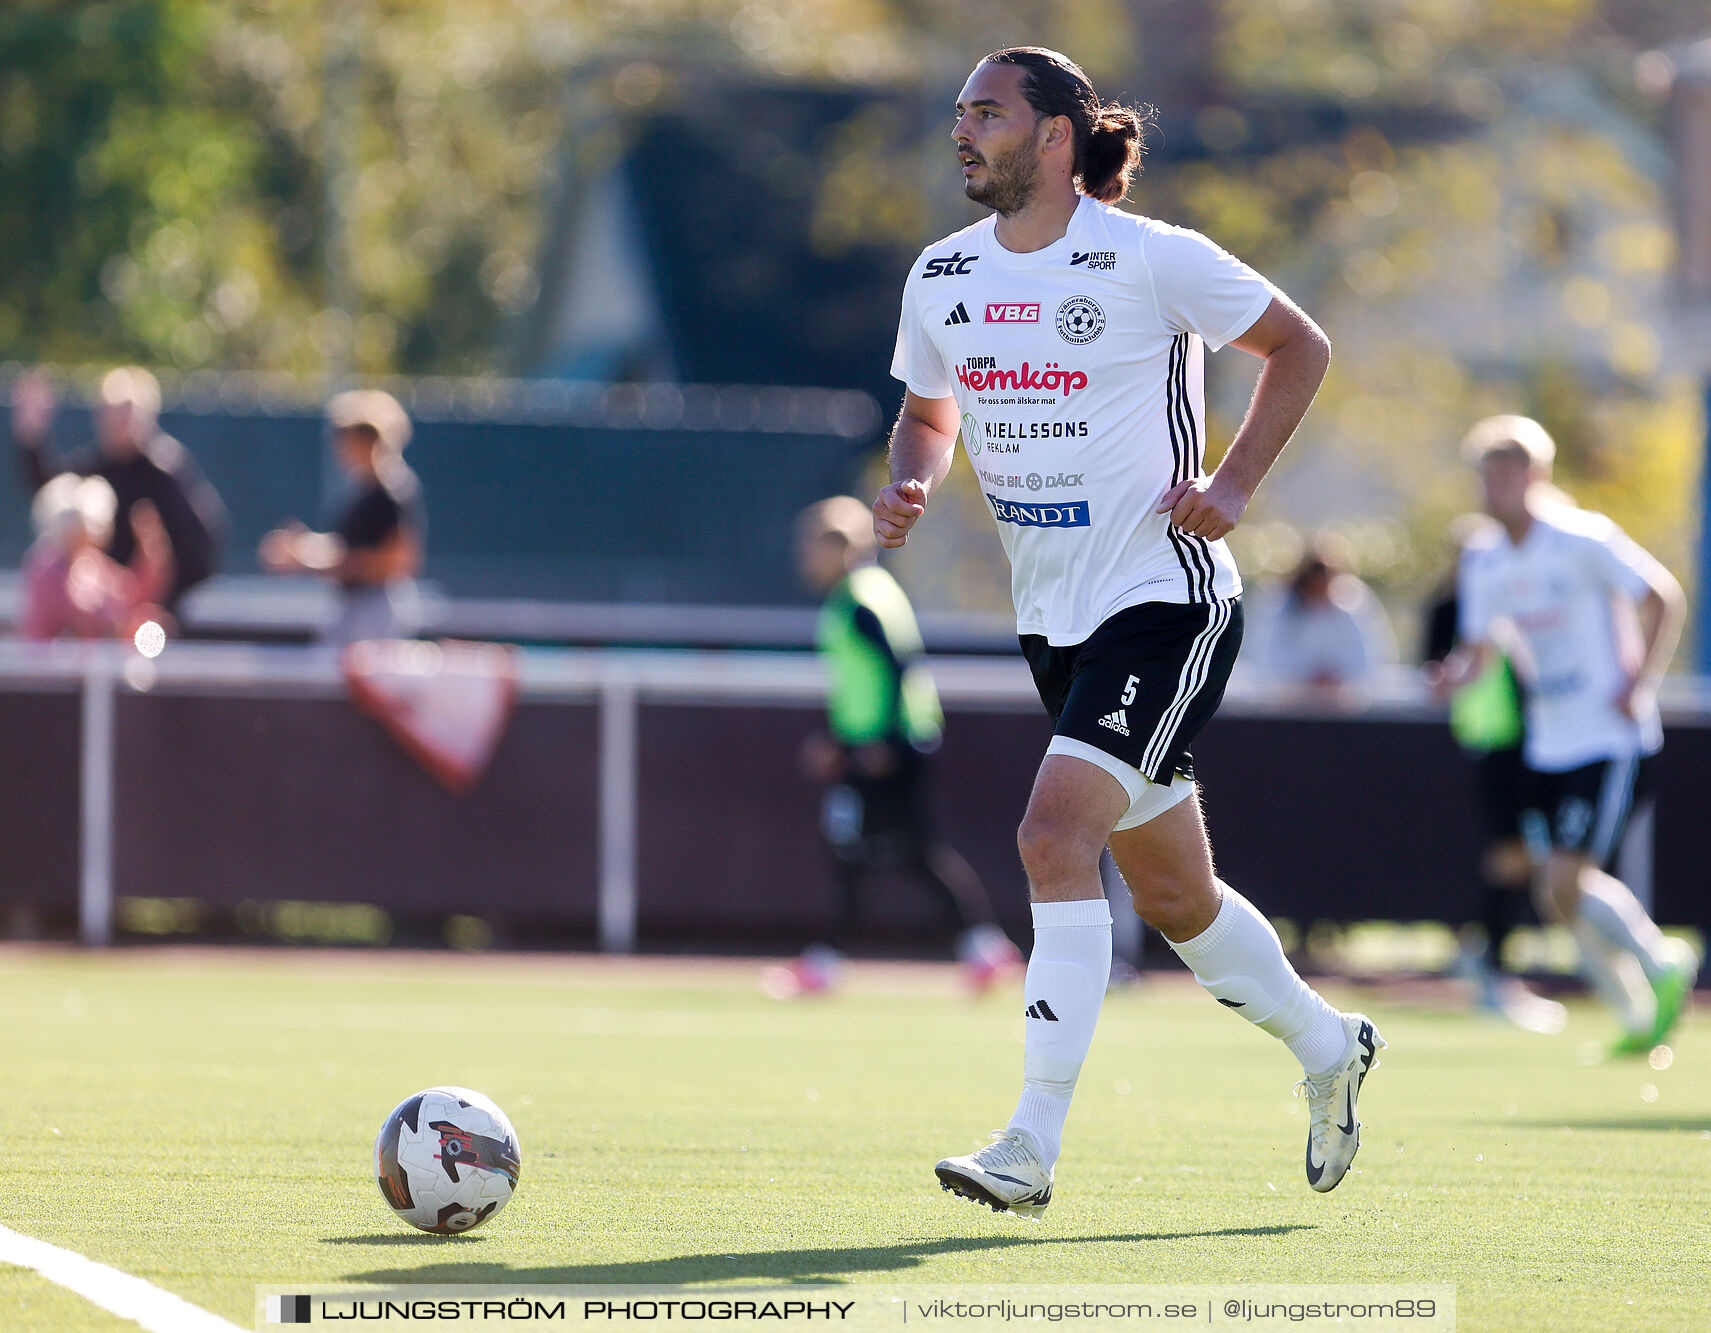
982	375
1003	313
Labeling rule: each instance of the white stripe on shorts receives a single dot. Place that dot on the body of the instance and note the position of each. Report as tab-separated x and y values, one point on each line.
1188	684
1615	798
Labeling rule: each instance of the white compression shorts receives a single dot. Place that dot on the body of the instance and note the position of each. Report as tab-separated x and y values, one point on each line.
1147	799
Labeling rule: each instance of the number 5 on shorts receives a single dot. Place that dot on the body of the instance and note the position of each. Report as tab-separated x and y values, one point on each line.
1129	689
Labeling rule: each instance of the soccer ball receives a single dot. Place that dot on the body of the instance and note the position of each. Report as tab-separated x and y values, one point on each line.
447	1160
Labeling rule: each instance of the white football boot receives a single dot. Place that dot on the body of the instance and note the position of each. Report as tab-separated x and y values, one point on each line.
1333	1133
1006	1175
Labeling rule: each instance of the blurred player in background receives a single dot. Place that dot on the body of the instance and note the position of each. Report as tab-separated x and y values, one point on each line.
885	720
375	549
1488	723
72	588
1592	621
139	461
1061	341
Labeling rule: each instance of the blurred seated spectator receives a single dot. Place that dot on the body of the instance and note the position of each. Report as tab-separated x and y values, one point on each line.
72	588
139	462
374	551
1329	630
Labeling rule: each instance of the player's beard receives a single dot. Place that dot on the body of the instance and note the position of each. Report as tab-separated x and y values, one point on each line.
1010	180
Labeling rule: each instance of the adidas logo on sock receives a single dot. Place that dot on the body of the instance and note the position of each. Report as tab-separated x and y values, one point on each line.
959	315
1118	721
1039	1009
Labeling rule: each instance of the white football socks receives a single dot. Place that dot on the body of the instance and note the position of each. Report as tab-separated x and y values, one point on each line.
1239	959
1065	986
1615	975
1610	908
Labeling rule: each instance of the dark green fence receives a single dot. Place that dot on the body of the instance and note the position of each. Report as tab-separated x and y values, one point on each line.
548	490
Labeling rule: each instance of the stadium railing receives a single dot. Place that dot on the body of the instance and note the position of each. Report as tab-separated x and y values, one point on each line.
618	684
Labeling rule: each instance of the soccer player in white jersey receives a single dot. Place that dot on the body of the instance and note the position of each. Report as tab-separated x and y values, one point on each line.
1563	588
1061	339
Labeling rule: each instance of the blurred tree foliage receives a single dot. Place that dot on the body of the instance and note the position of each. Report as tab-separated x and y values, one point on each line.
165	162
126	208
1522	264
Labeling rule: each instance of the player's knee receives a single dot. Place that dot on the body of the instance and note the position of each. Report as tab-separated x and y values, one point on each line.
1507	865
1165	900
1052	849
1559	885
1562	876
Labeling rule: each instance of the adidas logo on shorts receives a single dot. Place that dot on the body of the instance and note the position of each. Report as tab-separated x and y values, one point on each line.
1118	721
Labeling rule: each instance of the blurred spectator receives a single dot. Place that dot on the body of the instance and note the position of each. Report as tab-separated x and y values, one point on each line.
139	462
1487	720
374	551
884	720
1329	630
72	588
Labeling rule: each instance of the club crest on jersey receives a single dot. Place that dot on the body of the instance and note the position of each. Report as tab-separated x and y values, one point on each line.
1080	320
1009	312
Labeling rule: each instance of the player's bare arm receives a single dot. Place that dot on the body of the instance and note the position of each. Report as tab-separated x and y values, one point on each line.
1661	613
923	445
1296	353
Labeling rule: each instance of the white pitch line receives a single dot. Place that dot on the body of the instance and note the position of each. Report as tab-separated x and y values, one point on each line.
119	1293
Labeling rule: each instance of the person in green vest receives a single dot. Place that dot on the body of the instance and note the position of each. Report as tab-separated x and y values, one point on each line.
1487	720
883	721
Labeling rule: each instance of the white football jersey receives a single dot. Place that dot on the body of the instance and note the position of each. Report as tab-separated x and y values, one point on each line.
1078	373
1556	589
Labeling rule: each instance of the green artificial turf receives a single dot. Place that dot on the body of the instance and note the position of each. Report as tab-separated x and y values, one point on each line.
205	1121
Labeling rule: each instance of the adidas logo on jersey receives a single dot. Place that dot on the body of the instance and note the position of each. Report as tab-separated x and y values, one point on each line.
1039	1009
959	315
1117	722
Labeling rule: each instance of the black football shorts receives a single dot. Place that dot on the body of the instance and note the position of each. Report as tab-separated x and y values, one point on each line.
1586	809
878	820
1143	684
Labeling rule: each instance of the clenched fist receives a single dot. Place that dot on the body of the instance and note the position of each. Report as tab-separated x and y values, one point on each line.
896	510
